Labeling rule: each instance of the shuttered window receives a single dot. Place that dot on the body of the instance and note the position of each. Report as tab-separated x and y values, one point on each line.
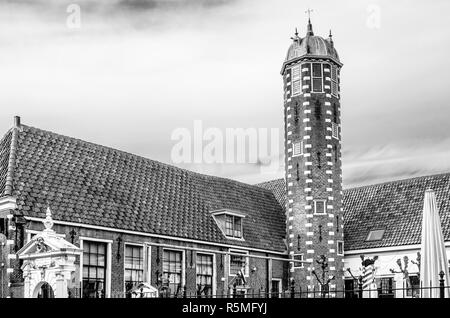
296	80
297	148
334	81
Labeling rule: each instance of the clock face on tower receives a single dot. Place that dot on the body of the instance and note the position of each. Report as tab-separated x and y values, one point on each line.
311	74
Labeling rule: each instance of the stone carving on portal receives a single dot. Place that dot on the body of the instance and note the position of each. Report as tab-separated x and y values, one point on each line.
48	258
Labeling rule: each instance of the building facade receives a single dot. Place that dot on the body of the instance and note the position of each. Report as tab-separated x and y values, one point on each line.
128	220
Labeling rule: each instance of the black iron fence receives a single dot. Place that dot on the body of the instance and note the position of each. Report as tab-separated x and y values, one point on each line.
440	291
392	290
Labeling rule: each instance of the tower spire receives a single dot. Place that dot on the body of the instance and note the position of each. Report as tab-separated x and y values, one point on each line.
309	28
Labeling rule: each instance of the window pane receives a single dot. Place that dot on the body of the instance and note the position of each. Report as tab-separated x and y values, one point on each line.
94	269
317	70
204	274
317	84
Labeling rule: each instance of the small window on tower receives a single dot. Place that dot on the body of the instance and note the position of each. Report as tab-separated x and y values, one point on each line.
335	130
297	257
317	78
334	81
340	248
320	207
296	80
297	148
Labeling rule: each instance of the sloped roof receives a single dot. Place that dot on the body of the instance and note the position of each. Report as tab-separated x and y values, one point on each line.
92	184
5	147
395	207
278	187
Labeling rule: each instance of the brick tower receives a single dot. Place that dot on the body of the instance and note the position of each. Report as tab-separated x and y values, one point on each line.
314	213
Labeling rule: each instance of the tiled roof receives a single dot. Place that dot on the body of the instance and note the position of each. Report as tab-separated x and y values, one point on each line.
92	184
5	147
394	206
278	187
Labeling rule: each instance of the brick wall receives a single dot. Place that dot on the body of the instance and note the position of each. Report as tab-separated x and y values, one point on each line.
258	279
315	175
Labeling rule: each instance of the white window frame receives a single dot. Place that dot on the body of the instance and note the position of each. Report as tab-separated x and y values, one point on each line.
234	216
108	262
316	77
296	79
146	254
324	207
296	265
222	225
335	130
183	263
294	154
337	248
214	278
247	262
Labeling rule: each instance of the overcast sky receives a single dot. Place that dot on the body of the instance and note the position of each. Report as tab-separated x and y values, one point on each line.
135	71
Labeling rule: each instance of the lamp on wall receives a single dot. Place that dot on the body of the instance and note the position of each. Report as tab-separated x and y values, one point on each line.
119	242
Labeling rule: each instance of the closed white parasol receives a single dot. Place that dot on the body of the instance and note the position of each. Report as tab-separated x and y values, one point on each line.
433	258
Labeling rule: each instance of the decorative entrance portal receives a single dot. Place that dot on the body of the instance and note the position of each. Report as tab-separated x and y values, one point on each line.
44	290
49	263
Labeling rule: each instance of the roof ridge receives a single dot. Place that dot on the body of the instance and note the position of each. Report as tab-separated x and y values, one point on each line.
12	160
189	172
399	181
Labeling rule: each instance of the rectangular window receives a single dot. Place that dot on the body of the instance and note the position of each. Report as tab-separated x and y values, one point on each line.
297	148
334	81
340	248
94	269
335	130
320	207
317	79
238	263
233	226
296	80
134	266
375	235
385	288
204	274
297	257
172	270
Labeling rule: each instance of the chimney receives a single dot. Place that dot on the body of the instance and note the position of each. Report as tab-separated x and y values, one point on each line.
16	121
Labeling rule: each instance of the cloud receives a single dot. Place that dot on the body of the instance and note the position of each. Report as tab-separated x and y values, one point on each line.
395	161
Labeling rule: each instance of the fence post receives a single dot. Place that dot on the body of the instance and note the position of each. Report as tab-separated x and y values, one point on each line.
441	285
234	291
292	288
360	285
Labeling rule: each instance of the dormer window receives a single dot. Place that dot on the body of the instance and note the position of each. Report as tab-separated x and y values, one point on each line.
233	226
230	223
